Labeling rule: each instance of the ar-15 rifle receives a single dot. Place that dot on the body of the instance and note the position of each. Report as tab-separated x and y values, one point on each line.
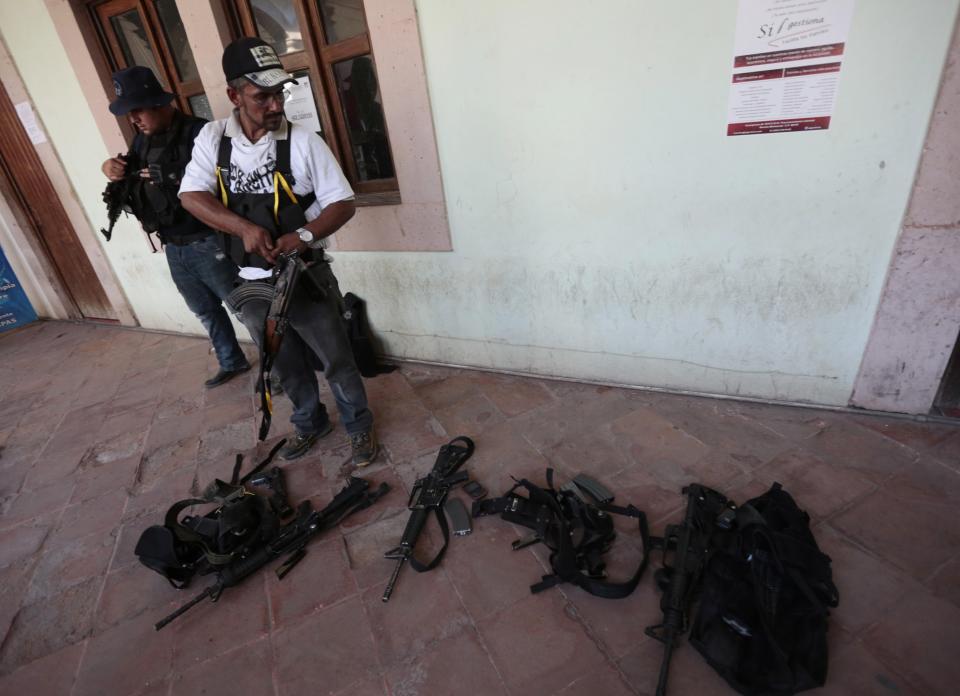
429	494
707	510
118	193
291	539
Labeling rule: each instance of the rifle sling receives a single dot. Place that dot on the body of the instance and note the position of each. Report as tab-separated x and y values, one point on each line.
445	528
449	459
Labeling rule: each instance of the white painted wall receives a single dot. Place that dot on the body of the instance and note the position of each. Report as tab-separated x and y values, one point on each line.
604	226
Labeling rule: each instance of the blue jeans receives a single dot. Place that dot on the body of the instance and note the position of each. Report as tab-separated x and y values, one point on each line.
205	276
315	324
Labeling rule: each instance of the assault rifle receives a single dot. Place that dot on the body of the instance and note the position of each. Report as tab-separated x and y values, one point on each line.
287	275
690	541
291	539
118	193
429	494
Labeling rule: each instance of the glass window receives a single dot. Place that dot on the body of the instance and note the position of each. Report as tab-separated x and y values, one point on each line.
177	40
363	112
277	24
339	93
150	33
200	106
342	19
134	44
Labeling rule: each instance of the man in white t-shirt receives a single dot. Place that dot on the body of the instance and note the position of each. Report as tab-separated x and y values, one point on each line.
273	187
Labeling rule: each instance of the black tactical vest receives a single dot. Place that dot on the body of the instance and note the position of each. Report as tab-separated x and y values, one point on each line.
158	206
279	212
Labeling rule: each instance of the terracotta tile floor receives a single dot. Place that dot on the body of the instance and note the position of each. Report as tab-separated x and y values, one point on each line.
101	428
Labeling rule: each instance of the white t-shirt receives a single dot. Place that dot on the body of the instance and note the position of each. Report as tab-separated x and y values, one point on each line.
251	164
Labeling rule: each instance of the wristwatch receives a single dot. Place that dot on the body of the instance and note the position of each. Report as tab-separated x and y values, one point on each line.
306	236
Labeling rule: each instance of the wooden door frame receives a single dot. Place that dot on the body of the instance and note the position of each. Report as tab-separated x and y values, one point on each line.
38	254
25	182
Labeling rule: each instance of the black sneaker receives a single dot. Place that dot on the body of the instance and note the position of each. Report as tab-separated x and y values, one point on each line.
300	444
223	376
364	448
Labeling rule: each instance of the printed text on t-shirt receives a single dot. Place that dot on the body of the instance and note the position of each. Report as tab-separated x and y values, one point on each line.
259	180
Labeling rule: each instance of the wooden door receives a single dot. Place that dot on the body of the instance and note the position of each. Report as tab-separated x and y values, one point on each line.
29	188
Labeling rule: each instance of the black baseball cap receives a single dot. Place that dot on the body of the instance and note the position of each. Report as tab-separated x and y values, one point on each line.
256	60
137	88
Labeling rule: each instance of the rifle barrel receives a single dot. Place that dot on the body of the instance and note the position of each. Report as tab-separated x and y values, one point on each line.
668	638
182	610
393	579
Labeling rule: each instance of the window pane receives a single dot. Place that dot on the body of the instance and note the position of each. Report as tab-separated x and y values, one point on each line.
200	106
134	43
177	40
360	101
277	24
342	19
300	106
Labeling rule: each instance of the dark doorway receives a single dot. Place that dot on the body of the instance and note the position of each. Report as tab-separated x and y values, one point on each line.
27	188
948	398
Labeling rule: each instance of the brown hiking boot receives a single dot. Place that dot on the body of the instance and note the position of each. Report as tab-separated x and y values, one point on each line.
364	447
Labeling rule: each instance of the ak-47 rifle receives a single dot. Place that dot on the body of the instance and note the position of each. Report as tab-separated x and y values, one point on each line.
286	276
288	273
118	193
291	539
428	494
707	510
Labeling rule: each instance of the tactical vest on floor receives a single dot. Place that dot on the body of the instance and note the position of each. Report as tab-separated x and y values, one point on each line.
181	548
577	532
279	212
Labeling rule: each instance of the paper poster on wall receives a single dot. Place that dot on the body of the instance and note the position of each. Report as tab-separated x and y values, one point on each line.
786	65
300	106
15	308
29	121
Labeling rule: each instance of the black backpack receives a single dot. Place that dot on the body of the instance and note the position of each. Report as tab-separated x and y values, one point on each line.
362	341
767	589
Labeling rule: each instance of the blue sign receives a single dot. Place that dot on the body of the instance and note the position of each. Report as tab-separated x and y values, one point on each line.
15	308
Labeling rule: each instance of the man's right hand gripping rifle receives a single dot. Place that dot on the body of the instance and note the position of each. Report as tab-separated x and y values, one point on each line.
117	195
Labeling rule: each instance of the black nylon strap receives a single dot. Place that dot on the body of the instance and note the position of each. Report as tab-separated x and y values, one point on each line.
283	158
304	200
259	467
543	507
444	527
223	160
618	590
224	151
